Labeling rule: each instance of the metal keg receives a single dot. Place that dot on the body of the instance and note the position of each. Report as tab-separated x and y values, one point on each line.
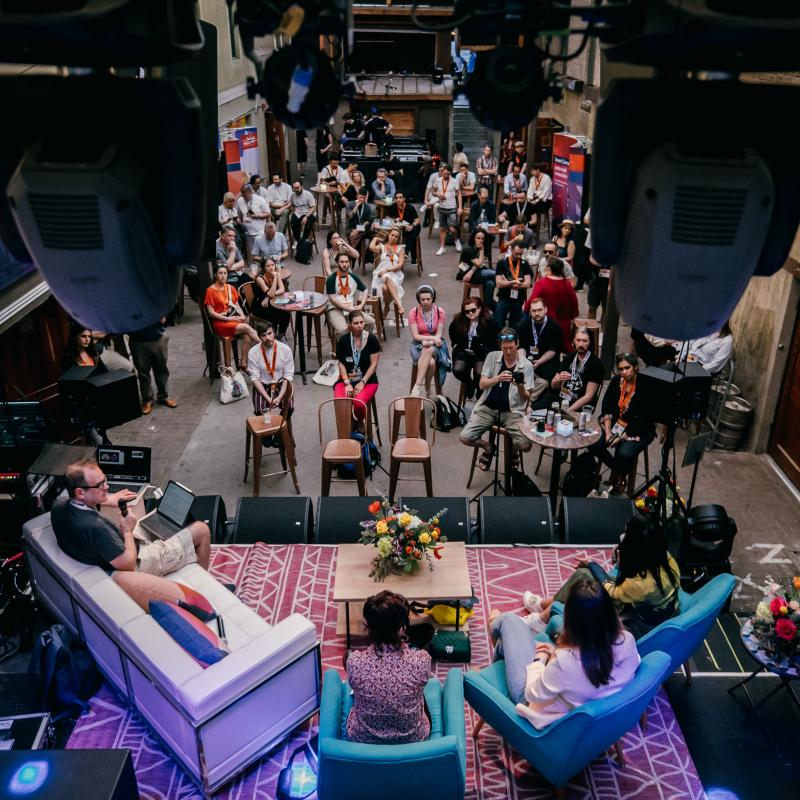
736	414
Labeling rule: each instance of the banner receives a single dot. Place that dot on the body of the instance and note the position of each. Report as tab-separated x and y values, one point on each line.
562	144
577	168
241	155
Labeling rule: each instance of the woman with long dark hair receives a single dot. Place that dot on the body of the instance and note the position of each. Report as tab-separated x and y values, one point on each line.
474	266
267	287
592	657
473	334
388	678
564	240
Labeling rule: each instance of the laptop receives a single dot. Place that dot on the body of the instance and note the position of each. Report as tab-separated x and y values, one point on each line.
125	468
172	513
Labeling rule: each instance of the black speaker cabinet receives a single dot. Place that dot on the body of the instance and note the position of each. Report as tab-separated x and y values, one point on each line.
455	524
210	508
339	518
110	397
594	520
87	774
515	520
274	520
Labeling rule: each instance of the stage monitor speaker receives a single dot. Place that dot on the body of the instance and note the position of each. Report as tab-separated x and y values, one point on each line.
116	397
594	520
515	520
675	393
339	519
48	774
210	508
455	524
273	520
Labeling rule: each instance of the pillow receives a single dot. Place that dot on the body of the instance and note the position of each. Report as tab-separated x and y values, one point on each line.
144	589
201	643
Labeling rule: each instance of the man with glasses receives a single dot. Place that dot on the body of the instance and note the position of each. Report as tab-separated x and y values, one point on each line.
550	251
87	536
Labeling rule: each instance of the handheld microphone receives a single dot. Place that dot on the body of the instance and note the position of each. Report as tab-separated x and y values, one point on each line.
123	507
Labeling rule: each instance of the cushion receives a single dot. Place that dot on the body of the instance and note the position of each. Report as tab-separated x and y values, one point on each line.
201	643
144	589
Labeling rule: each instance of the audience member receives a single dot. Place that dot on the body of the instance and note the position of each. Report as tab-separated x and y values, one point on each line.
459	157
579	376
228	254
360	215
324	146
564	241
358	354
352	128
486	167
515	187
428	348
445	190
405	215
304	206
279	197
474	266
712	352
540	339
387	277
87	536
271	244
255	182
383	186
149	350
430	198
625	426
271	368
87	348
519	159
473	334
334	175
483	211
253	213
559	297
356	181
267	286
342	287
507	384
506	151
550	251
518	233
513	277
228	213
376	129
335	245
540	191
388	678
466	181
223	309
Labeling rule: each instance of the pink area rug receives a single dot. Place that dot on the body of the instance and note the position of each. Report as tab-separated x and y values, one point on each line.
280	580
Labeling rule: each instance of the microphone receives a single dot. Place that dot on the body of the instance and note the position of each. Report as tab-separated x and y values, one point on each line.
123	507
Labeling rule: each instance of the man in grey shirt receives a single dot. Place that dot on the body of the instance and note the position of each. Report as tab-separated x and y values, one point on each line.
304	206
270	244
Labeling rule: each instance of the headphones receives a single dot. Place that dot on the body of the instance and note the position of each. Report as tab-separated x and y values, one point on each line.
426	287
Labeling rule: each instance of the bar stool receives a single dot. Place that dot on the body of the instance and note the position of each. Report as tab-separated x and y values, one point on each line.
376	309
413	447
630	481
468	288
496	432
373	419
342	449
420	268
436	381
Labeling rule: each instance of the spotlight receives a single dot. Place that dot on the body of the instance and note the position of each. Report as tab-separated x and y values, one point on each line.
508	86
437	75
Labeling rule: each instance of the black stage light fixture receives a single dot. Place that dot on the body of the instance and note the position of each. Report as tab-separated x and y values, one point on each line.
437	75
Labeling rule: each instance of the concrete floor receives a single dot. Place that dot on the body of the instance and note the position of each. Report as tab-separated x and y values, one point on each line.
201	443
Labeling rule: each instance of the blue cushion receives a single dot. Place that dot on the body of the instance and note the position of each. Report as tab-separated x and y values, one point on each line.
199	641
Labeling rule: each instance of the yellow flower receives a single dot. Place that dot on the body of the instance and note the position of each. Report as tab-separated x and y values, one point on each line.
425	538
640	503
404	519
381	528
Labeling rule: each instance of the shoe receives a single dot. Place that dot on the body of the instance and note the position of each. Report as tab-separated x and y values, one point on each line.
440	251
147	408
168	402
458	245
535	623
531	601
436	225
417	391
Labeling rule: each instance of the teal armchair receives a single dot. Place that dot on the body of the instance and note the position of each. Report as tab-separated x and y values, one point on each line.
355	771
566	746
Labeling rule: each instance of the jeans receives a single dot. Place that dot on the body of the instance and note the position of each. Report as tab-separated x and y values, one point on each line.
517	647
485	277
508	308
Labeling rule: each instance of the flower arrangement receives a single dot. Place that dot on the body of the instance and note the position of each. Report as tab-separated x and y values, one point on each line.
401	538
647	503
777	620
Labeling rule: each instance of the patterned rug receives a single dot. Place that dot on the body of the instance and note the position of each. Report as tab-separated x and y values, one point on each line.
280	580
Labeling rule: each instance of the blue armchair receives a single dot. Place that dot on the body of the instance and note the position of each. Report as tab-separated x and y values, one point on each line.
566	746
682	635
355	771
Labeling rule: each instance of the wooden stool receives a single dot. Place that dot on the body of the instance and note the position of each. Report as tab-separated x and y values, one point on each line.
420	268
376	309
257	429
495	432
435	377
413	447
467	291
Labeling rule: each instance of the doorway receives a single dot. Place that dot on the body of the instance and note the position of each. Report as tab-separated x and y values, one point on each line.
784	445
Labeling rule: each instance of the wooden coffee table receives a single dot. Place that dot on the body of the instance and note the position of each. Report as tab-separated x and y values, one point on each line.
352	583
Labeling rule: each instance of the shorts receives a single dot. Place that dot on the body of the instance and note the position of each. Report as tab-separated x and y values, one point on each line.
598	292
482	420
163	556
447	217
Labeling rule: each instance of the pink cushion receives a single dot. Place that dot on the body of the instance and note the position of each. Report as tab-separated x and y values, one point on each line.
201	643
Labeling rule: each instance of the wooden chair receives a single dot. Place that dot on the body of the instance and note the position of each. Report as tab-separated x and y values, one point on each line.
469	288
420	267
413	447
496	434
258	428
342	449
376	309
247	294
396	413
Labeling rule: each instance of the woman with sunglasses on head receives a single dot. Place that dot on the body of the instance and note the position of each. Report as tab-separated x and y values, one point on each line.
625	427
358	353
473	334
474	266
428	347
388	678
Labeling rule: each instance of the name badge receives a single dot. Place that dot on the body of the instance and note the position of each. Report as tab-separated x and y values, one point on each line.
348	358
534	351
604	273
619	428
514	294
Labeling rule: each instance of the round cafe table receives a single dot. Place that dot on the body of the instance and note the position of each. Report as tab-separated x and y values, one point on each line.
309	303
560	445
329	197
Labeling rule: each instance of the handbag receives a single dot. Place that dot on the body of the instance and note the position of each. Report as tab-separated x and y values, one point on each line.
234	386
327	374
453	646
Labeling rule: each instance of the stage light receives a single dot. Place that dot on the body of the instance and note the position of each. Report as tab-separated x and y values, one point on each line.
437	75
29	778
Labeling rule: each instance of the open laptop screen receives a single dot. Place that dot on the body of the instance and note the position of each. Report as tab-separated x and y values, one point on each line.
175	503
124	464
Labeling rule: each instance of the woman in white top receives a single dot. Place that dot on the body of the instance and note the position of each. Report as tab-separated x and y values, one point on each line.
593	656
387	279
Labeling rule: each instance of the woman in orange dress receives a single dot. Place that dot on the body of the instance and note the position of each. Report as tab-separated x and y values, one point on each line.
224	312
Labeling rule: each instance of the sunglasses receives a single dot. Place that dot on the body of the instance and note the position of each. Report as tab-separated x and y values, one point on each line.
508	337
470	310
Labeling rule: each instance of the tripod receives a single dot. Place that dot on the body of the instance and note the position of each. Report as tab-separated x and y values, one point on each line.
495	483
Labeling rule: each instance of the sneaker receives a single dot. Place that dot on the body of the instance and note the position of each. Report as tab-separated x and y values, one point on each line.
418	391
440	251
531	601
535	623
436	225
458	245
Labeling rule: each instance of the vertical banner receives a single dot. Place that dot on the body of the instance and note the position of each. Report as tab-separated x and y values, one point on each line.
241	155
577	168
236	177
562	144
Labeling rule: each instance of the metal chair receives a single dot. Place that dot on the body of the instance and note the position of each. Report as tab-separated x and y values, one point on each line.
225	350
413	447
342	449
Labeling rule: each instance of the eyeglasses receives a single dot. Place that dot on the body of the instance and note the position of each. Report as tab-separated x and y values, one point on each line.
470	310
98	485
549	252
508	337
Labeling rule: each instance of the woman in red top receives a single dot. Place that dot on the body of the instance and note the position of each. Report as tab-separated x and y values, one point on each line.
224	312
559	297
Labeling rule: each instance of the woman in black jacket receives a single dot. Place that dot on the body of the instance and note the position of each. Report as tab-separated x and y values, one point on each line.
473	334
625	425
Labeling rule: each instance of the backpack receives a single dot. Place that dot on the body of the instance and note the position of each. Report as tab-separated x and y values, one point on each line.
303	253
62	671
370	456
448	415
522	485
580	479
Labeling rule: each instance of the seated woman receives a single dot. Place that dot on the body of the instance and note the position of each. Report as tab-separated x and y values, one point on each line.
387	279
388	679
624	423
644	589
358	353
473	334
712	352
267	286
428	348
474	266
335	245
224	312
591	658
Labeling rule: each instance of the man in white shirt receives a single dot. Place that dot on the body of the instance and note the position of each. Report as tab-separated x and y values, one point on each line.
228	212
540	195
279	197
253	212
304	206
270	244
430	200
337	179
445	189
515	186
271	368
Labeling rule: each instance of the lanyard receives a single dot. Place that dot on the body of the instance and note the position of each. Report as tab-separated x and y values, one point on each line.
391	252
536	333
537	181
429	323
472	333
344	285
445	184
514	268
226	292
626	393
356	350
577	366
270	369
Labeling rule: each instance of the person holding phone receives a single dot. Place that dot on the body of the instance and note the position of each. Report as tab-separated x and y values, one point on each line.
358	353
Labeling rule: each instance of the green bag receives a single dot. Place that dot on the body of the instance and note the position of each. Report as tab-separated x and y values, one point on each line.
450	646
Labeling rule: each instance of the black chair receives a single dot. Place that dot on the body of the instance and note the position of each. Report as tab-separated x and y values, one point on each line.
594	520
706	546
515	520
273	520
210	508
339	519
455	524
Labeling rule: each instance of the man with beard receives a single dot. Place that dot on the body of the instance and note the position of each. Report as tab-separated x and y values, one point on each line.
579	376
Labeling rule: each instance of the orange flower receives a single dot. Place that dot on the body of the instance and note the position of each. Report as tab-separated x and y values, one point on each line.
796	582
409	550
417	554
374	508
435	534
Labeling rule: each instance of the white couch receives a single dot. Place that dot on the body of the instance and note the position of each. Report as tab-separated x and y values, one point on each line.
215	721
